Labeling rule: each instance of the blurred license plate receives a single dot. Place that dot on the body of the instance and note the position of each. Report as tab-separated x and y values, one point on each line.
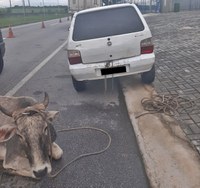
113	70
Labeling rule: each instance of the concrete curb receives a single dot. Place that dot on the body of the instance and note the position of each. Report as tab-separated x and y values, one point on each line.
169	159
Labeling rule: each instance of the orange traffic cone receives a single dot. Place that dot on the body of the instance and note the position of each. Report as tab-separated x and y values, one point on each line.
43	26
60	21
10	33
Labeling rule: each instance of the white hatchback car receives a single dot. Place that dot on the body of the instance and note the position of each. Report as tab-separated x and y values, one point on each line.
110	41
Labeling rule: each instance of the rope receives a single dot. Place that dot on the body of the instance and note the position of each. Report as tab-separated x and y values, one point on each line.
168	104
86	154
50	148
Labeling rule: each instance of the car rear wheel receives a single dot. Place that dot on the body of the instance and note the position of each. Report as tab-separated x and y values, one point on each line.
78	85
1	63
149	77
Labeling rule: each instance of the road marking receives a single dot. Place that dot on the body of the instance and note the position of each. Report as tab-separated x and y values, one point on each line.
34	71
21	26
31	24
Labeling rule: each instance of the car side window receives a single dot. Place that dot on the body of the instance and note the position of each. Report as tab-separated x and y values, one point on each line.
1	38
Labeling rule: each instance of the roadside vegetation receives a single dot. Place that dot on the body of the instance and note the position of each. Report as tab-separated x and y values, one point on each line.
18	15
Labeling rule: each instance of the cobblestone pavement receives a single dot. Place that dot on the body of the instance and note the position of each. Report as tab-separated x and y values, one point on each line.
177	47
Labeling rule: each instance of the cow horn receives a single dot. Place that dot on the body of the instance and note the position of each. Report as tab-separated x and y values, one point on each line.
46	99
5	111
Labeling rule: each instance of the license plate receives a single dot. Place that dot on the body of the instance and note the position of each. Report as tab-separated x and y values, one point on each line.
113	70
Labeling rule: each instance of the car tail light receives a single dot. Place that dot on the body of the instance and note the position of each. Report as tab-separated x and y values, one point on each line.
74	57
146	46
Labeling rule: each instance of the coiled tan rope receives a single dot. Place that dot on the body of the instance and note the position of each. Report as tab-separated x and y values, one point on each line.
170	105
86	154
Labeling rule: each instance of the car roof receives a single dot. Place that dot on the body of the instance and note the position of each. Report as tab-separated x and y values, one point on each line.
104	8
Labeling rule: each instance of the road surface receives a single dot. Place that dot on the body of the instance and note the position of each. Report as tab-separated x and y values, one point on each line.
121	165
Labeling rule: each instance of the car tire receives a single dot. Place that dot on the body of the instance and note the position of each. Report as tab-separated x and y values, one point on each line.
149	76
1	63
78	85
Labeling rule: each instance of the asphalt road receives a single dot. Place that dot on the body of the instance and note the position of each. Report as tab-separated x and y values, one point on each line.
121	165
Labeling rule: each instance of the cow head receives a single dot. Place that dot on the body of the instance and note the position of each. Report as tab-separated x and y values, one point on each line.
28	142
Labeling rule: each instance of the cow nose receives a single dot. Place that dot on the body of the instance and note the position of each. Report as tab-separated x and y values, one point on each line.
40	173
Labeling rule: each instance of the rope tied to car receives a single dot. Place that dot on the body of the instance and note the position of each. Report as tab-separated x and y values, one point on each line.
170	105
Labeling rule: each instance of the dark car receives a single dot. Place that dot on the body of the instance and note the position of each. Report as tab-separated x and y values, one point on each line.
2	52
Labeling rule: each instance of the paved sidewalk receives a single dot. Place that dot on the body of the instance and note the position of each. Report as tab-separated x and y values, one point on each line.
177	46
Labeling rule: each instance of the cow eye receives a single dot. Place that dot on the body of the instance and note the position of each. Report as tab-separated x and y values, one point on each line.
21	137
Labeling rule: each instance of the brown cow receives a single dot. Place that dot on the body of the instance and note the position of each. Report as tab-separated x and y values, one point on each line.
27	136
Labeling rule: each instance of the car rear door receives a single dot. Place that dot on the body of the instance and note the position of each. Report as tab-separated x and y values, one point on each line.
108	34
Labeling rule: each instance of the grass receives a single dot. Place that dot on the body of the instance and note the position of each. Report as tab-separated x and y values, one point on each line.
6	21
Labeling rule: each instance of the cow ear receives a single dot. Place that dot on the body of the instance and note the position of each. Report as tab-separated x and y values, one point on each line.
6	132
51	115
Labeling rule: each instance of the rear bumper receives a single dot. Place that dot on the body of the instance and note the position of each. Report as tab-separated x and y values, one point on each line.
134	65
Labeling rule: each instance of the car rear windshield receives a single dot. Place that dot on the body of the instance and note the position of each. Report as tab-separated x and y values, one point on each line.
107	22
